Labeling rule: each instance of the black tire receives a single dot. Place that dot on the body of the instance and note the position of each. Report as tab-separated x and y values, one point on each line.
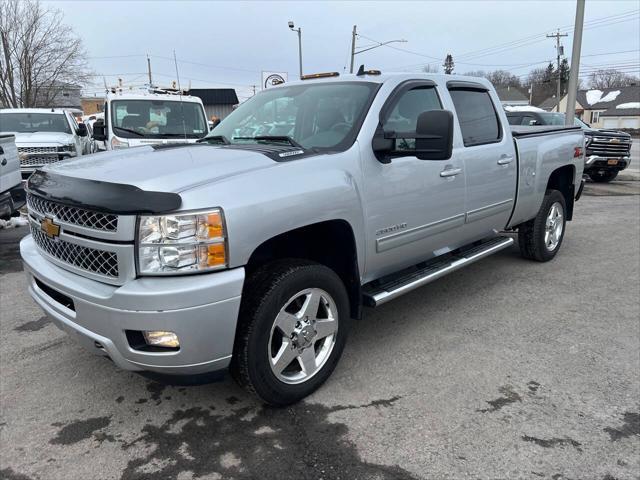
531	234
266	292
603	177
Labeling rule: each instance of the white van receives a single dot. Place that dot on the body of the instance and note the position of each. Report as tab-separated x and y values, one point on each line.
134	118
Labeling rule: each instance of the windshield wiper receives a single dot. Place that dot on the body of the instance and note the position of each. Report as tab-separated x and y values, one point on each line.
273	138
129	131
218	138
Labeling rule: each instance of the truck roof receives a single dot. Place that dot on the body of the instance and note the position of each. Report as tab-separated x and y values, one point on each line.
33	110
145	95
438	78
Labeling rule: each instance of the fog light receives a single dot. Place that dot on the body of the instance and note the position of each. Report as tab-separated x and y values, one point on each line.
160	338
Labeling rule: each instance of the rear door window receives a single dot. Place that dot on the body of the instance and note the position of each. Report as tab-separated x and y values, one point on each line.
477	116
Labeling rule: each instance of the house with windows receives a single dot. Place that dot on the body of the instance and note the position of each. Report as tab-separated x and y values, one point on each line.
608	108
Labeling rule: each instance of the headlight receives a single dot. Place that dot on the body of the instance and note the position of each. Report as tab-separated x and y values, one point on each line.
116	143
70	148
185	243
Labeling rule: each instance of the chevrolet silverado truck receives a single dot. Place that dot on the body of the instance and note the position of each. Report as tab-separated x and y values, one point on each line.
253	249
607	151
43	136
12	194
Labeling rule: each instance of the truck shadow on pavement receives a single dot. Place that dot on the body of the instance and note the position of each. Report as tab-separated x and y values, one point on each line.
298	442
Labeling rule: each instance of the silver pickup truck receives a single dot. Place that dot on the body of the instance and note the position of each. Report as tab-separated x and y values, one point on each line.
253	249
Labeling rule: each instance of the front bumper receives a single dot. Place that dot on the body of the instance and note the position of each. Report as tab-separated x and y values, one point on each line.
12	200
201	309
595	162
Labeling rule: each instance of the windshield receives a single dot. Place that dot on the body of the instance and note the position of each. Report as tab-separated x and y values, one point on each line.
315	116
549	118
33	122
157	119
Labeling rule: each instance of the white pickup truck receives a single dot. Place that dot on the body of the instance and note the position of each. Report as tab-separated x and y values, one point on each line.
12	194
44	136
255	248
149	117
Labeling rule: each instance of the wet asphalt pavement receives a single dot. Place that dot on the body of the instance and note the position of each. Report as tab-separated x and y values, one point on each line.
506	369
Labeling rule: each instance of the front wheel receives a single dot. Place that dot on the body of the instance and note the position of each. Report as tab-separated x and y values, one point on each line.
292	329
540	238
603	176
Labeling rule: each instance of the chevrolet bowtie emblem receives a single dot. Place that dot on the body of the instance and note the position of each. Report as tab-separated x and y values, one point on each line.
51	229
614	140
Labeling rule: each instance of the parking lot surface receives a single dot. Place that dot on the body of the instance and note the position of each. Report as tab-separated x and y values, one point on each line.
507	369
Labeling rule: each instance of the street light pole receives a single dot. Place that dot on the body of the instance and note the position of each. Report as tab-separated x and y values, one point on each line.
354	35
575	64
299	31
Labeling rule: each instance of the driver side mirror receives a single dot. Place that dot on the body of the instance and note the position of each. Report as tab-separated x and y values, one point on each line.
433	138
99	132
82	130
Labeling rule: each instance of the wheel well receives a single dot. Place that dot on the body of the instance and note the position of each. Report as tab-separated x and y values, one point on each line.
562	180
329	243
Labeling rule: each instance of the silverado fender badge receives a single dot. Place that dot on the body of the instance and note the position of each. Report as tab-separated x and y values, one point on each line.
50	229
291	153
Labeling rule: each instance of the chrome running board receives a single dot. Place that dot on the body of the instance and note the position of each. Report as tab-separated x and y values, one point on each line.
381	291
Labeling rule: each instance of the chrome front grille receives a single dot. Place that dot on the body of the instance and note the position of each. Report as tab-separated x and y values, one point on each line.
38	160
99	262
603	147
73	215
37	150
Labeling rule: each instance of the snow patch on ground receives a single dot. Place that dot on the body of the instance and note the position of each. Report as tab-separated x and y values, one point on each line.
13	222
629	105
595	96
522	108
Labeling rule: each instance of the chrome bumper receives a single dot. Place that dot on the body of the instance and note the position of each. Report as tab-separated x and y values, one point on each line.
201	309
592	158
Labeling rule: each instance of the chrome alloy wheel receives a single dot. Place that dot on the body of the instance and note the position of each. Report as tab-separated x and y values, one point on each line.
302	336
553	226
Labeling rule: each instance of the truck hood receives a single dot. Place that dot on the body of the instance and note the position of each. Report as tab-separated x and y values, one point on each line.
605	133
171	168
48	138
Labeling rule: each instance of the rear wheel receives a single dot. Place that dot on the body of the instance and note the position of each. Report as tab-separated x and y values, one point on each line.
540	238
293	327
603	176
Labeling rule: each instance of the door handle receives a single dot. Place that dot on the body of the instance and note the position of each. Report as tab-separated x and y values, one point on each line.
505	160
450	172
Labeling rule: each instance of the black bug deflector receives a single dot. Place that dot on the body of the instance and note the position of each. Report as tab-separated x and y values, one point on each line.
101	196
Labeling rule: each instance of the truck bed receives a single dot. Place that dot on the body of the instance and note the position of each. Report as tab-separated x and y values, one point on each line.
540	150
519	131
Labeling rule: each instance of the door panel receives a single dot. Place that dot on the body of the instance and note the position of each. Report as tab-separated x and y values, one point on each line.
414	208
490	163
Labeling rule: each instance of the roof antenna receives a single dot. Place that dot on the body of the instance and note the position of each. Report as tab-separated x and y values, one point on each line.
184	127
360	71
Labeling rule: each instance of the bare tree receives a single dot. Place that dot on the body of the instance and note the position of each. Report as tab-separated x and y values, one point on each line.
430	68
40	56
611	78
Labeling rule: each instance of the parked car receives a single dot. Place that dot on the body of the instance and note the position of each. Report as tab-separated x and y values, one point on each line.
43	136
149	117
253	253
608	151
12	195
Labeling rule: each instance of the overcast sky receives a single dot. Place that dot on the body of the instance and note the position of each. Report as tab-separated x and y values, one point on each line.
230	43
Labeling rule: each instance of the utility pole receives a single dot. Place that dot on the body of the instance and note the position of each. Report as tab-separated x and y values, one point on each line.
575	64
353	46
149	71
557	36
